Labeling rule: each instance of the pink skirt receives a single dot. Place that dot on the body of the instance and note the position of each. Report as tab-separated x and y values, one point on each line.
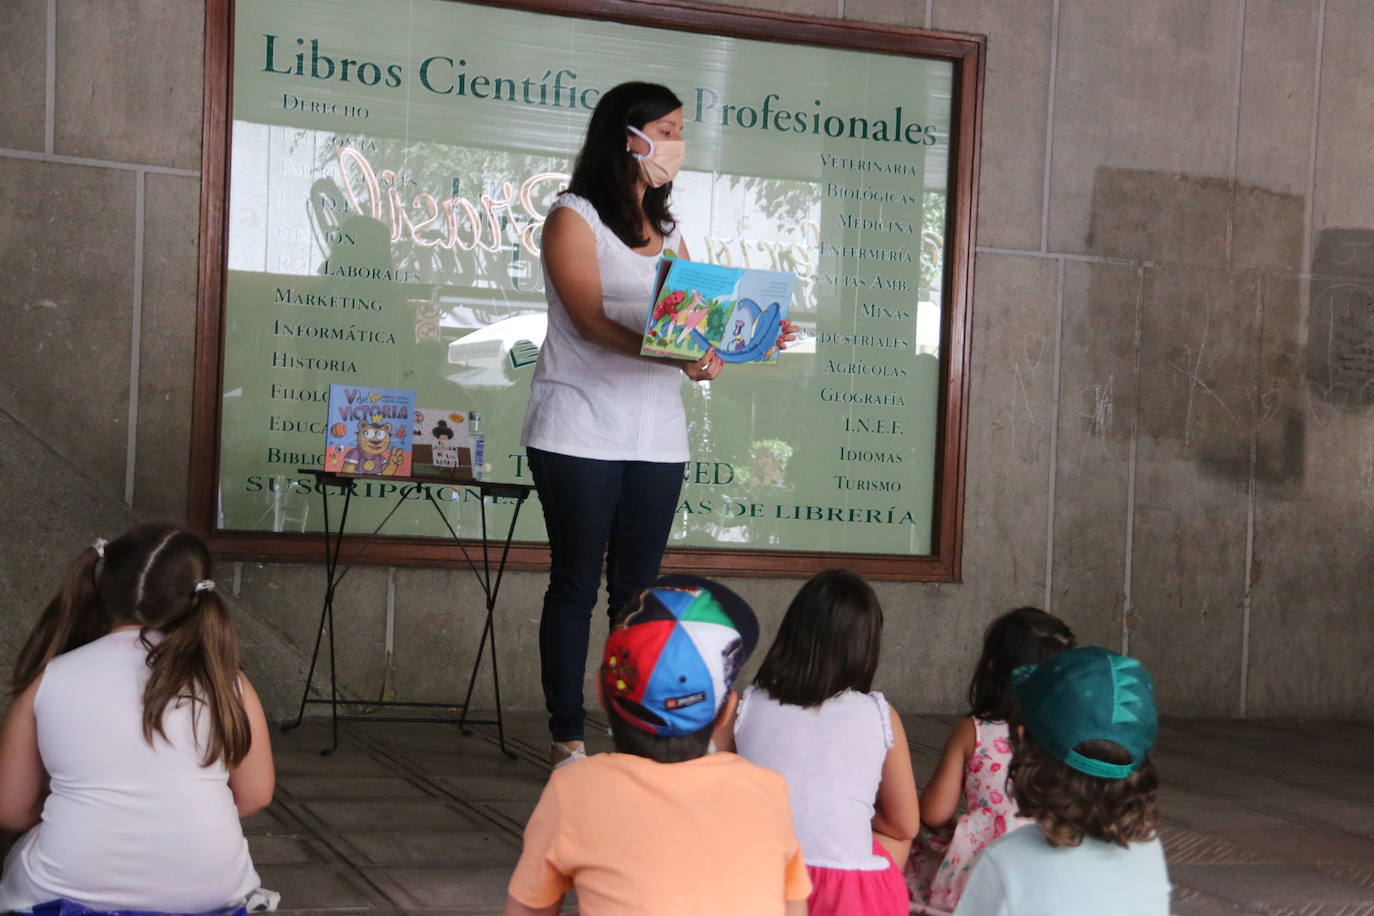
844	892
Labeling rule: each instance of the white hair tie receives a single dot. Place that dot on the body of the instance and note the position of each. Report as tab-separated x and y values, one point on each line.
99	547
205	585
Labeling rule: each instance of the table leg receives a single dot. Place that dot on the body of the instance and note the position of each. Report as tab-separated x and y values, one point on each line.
325	611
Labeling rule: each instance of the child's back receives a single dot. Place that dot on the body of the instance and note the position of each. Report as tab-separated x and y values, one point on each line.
832	757
113	791
975	763
1026	876
812	716
1081	769
709	835
662	826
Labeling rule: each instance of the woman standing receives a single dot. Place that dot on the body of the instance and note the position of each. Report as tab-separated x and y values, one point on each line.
605	430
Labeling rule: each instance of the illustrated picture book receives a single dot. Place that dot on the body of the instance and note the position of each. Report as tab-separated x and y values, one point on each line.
697	306
441	437
369	431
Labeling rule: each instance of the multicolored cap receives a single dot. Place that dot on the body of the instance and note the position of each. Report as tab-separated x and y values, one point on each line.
1089	694
673	654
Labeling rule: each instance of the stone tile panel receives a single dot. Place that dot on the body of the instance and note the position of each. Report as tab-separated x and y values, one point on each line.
315	786
455	849
1010	419
24	48
67	244
1005	509
1277	72
321	887
1311	518
1198	360
479	889
371	814
270	849
1344	196
440	613
166	346
1169	217
129	82
1143	86
58	511
291	598
1015	106
1272	889
1097	405
1267	229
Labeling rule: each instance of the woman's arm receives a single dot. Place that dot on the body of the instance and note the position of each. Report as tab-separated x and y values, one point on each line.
569	250
21	766
940	798
254	779
897	813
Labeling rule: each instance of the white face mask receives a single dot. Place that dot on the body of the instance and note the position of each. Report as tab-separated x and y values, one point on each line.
660	165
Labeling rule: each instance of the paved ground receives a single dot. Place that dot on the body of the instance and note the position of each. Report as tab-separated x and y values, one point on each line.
1260	818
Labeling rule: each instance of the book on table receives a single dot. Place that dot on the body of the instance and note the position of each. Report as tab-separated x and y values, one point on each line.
443	441
368	431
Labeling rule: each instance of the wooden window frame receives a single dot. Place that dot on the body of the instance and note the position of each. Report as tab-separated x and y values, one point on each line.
944	564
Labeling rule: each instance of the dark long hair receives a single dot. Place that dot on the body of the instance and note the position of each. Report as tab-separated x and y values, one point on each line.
828	642
148	576
605	173
1025	636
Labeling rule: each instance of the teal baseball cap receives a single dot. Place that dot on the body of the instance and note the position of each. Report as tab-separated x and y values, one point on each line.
1089	694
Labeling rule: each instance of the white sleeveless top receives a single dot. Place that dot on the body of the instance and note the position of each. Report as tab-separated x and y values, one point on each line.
832	758
128	826
589	402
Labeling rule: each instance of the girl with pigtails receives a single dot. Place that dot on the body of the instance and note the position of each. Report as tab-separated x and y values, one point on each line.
133	743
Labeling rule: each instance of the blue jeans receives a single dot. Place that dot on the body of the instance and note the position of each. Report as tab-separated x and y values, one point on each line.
619	512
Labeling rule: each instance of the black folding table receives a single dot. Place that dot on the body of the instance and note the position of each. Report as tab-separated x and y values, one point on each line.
411	488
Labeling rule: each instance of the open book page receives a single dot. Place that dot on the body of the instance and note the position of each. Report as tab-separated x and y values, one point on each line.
697	306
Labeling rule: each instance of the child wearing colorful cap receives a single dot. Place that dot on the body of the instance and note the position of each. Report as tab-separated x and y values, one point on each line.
662	826
1081	770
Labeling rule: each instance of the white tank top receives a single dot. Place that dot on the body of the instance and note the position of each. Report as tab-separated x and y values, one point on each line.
832	758
128	826
589	402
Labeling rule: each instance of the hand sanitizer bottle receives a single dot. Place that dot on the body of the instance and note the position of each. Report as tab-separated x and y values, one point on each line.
479	455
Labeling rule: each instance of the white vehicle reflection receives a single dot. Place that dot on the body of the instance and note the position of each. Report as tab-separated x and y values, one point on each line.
496	355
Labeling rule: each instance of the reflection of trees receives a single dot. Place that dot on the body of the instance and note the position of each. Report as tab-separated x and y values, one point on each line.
933	214
785	203
775	229
717	428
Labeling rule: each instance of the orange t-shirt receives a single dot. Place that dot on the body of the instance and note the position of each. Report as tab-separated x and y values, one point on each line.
710	835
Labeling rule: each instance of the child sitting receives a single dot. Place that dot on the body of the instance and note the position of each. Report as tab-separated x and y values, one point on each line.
974	764
811	716
1082	770
129	706
661	826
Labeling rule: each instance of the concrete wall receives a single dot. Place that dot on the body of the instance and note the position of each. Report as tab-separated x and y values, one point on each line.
1170	441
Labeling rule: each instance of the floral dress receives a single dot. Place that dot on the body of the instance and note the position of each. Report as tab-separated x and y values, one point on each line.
942	860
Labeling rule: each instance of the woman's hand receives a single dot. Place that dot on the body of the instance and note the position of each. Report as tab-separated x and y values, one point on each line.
787	334
704	369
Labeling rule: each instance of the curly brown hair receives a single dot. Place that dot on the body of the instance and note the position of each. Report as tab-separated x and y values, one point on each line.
1069	805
